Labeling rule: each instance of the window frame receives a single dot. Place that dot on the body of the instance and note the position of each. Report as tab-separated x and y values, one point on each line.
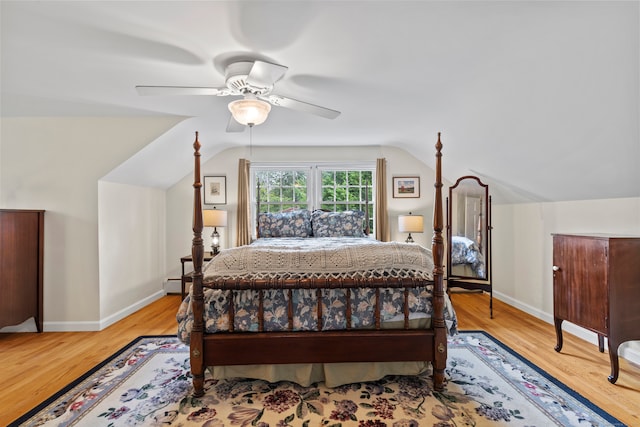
314	181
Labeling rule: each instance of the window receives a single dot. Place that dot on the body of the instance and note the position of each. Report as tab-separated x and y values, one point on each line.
281	190
347	190
333	187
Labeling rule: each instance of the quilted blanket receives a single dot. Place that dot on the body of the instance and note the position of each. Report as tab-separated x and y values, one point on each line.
325	257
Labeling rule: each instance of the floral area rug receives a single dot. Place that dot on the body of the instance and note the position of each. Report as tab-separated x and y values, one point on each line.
148	384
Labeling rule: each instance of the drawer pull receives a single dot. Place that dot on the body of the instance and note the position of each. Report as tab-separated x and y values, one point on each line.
556	268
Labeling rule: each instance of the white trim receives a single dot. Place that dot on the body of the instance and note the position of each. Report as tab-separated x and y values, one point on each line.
624	351
360	165
71	326
103	323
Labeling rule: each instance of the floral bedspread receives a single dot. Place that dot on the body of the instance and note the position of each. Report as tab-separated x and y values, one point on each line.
293	257
466	251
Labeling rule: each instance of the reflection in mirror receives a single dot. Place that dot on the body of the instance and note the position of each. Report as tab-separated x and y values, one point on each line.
469	234
468	228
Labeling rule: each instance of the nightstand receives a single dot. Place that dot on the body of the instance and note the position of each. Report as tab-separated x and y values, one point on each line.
188	277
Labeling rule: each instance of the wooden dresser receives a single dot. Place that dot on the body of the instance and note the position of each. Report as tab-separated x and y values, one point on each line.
596	285
21	265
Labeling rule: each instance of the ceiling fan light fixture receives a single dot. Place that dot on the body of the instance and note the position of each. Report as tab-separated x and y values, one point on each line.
250	111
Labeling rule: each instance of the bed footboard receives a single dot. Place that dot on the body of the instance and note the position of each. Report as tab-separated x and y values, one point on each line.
319	347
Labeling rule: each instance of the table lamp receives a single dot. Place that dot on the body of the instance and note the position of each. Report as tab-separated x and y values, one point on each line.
410	224
215	218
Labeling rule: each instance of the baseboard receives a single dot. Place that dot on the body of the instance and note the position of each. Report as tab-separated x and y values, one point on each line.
630	354
110	320
103	323
172	286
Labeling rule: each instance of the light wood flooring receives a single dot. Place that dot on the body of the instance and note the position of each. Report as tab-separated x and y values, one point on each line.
35	366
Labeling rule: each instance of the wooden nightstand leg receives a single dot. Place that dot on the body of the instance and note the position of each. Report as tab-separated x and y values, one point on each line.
182	279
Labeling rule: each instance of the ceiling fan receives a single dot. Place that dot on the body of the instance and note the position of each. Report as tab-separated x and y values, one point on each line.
254	81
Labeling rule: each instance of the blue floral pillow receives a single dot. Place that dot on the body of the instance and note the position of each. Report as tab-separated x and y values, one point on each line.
338	224
285	224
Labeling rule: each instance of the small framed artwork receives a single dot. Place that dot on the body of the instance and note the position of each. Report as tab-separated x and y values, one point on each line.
215	190
406	187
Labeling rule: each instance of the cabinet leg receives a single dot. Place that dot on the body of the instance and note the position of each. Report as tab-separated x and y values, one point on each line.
491	304
558	324
613	356
601	343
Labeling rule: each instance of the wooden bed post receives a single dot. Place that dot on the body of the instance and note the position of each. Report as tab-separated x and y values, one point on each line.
437	248
197	297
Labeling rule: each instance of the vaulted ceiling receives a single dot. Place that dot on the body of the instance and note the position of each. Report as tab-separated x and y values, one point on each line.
540	99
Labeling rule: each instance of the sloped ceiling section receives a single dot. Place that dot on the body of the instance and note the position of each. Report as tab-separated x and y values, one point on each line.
540	99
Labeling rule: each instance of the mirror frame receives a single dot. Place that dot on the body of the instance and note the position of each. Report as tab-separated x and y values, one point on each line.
484	228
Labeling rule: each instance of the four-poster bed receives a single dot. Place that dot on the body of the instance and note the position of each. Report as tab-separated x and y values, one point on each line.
221	332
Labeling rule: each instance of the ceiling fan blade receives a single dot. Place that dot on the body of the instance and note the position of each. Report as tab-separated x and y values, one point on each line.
234	126
182	90
265	74
282	101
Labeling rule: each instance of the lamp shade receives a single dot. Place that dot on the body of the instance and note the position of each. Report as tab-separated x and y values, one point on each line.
410	223
250	110
214	218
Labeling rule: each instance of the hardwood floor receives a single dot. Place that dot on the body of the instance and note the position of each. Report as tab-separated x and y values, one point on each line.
35	366
580	365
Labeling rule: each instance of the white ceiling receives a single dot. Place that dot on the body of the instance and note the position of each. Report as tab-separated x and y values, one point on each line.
540	99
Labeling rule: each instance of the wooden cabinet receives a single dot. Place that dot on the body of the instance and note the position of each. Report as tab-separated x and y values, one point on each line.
596	285
21	265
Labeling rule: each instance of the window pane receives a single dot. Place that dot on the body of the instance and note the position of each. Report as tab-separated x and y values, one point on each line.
354	193
287	179
300	194
300	179
354	178
328	178
274	195
366	177
287	194
328	194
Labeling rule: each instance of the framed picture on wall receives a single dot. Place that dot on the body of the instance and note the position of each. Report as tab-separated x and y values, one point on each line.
405	187
215	190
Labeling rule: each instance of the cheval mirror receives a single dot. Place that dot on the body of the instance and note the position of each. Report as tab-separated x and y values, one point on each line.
469	236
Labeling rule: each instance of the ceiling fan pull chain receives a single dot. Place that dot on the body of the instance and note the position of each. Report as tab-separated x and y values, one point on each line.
250	141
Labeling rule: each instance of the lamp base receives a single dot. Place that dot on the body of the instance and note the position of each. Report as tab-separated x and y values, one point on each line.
409	239
215	241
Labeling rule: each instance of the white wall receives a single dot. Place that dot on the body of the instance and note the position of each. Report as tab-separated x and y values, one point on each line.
55	164
523	250
131	248
399	163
